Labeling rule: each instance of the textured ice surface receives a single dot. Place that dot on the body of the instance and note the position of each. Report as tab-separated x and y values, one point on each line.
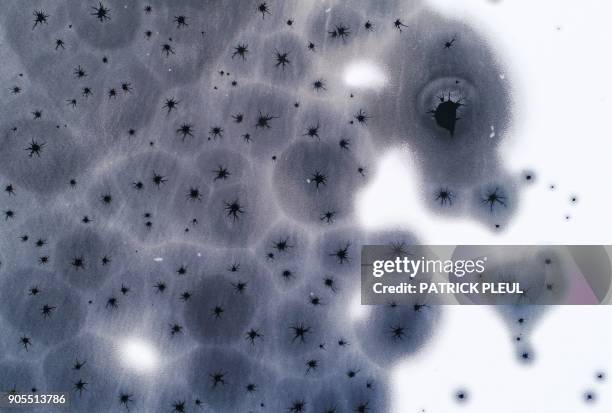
179	179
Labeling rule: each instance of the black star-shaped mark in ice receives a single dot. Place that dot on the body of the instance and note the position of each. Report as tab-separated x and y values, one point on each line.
175	329
215	132
125	399
101	12
241	50
181	21
80	386
253	335
46	310
217	311
234	209
398	24
25	342
263	9
493	198
328	217
297	406
179	407
35	148
40	17
170	104
300	331
282	59
263	120
158	179
186	129
78	263
217	378
445	196
318	178
398	332
167	49
341	254
221	173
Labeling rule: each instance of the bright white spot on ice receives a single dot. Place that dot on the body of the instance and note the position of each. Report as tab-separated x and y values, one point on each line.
365	75
158	259
138	355
356	310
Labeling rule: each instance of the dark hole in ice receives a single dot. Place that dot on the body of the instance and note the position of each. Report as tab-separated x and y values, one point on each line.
445	113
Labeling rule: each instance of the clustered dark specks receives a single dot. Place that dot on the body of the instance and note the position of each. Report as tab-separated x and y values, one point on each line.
135	168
